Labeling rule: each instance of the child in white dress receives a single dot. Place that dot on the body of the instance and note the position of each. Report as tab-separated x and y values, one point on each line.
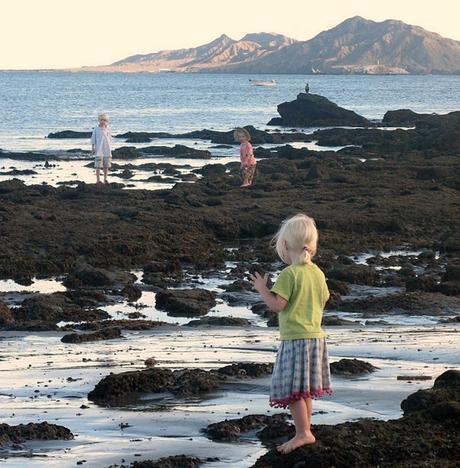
101	141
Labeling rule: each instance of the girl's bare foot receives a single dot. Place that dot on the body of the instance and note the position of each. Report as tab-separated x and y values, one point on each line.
106	182
296	442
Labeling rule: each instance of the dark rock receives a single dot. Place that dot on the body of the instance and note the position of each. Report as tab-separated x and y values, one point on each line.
312	110
219	321
163	274
69	134
15	172
116	388
211	169
356	274
87	275
126	152
102	334
6	317
231	430
127	385
132	292
421	283
55	308
452	273
32	431
177	151
412	441
126	174
334	321
123	324
348	367
138	139
246	369
446	387
174	461
185	302
413	303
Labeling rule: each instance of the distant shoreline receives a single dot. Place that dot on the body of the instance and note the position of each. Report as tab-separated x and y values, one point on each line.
207	72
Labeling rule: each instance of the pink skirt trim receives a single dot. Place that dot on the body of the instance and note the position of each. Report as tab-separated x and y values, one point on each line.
284	402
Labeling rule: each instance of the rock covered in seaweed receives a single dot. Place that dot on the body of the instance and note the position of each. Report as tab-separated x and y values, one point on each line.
102	334
422	437
313	110
32	431
352	367
185	302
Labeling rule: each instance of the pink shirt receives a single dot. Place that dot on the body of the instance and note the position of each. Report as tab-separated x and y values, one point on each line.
247	155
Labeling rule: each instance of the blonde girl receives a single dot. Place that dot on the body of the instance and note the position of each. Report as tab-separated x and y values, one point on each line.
301	370
101	142
248	161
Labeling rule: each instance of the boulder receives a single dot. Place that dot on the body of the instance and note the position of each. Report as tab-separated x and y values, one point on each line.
55	308
126	152
174	461
132	292
32	431
312	110
124	324
116	388
446	387
177	151
64	134
220	322
185	302
246	369
102	334
412	303
6	317
87	275
348	367
231	430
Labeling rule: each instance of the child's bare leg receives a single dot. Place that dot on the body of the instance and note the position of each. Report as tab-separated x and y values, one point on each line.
106	171
303	435
98	175
309	403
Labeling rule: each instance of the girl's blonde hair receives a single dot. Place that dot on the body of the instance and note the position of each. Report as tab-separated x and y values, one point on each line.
297	236
103	117
241	132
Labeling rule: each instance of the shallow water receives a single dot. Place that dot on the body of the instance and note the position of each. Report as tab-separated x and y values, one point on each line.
160	427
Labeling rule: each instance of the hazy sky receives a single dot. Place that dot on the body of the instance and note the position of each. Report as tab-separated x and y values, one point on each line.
71	33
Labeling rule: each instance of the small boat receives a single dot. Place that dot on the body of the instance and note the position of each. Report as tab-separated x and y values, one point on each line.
263	83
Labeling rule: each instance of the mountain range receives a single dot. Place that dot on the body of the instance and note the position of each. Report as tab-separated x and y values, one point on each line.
356	45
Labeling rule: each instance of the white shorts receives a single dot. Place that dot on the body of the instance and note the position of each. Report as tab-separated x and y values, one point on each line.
102	162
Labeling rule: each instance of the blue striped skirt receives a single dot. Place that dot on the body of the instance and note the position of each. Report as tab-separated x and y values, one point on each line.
301	371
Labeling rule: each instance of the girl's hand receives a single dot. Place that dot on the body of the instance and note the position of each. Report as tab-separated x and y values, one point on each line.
259	282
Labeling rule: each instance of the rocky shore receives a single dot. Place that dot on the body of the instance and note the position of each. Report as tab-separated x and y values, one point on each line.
387	207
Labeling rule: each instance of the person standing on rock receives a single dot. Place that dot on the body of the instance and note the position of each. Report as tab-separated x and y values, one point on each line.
301	370
101	141
248	161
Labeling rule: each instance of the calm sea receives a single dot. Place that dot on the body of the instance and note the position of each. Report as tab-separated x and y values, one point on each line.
32	104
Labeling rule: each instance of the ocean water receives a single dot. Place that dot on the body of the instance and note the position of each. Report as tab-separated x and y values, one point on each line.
32	104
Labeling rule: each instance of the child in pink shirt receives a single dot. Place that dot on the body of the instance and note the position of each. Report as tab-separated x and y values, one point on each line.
248	161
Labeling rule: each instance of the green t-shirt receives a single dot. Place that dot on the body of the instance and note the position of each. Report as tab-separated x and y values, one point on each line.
305	289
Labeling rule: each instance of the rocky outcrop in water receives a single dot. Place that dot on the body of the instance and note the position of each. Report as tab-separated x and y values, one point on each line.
32	431
126	386
231	430
103	334
446	388
349	367
313	110
185	302
423	437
